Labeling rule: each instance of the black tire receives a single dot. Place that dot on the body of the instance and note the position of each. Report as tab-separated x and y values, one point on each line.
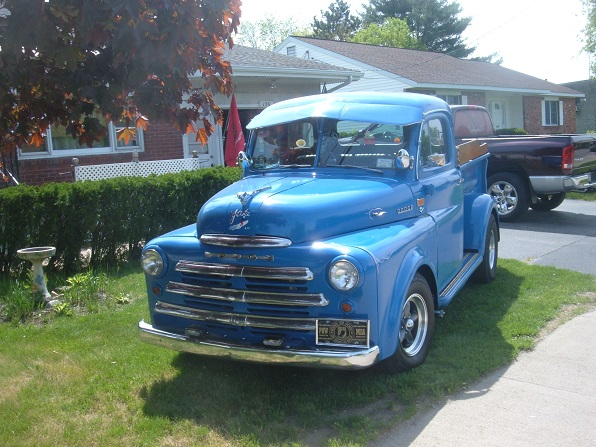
487	270
547	202
417	326
512	195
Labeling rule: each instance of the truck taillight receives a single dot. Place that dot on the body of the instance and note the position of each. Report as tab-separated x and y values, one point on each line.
567	159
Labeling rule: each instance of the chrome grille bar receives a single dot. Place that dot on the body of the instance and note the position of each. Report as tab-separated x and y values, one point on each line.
234	295
224	240
277	273
235	319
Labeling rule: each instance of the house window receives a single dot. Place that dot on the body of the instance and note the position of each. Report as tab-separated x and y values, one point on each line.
291	51
552	113
57	143
452	100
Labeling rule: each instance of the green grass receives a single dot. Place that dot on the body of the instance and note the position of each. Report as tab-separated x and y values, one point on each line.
88	380
591	195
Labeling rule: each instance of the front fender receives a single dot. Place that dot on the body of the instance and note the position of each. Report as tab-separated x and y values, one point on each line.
389	317
477	210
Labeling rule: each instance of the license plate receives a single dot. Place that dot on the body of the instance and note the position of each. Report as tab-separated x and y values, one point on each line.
349	333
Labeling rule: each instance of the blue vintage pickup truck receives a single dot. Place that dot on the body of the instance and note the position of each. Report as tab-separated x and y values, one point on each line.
356	221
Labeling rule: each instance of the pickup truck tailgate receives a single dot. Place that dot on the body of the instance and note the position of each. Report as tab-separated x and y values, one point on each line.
584	158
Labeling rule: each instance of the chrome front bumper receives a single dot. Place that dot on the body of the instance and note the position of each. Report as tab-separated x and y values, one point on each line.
352	359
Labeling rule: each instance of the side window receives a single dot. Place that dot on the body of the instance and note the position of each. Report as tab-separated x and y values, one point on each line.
433	148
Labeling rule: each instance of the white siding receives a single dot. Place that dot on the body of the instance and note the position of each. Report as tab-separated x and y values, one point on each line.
373	79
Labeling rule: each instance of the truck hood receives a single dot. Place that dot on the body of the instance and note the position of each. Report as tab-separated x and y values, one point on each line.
304	208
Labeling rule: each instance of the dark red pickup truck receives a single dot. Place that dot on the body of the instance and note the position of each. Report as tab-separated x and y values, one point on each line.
528	171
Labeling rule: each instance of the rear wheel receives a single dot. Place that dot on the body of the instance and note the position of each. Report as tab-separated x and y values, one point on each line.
487	270
547	202
417	323
511	193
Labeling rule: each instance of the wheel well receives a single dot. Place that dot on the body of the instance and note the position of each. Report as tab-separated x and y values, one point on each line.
499	167
427	273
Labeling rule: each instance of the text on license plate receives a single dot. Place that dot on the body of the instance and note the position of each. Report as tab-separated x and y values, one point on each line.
352	333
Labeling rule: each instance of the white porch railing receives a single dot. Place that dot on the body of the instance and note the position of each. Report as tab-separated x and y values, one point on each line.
135	168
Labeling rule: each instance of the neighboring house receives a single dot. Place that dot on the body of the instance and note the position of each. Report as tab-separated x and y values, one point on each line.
260	78
514	100
586	107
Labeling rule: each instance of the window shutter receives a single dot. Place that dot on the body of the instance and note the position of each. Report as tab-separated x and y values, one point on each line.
543	104
561	113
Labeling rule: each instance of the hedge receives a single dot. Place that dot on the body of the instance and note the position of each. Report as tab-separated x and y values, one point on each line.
511	131
108	219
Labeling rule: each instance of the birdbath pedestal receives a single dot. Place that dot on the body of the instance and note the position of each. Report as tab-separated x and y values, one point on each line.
36	255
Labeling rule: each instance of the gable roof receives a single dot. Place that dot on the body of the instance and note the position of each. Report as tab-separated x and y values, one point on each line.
426	69
253	62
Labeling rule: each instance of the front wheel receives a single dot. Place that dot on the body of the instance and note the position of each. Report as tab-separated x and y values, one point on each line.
487	270
547	202
417	324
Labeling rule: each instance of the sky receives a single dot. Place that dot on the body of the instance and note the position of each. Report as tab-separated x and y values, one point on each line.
541	38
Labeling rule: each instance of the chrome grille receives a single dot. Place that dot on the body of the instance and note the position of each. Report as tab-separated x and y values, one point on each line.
242	297
281	273
251	297
236	319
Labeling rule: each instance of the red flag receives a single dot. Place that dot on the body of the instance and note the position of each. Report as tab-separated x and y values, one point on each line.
234	135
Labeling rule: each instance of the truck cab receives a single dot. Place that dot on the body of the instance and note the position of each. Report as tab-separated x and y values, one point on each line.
356	221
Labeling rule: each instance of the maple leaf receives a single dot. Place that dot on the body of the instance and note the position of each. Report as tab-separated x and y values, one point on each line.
36	139
142	123
126	134
202	136
190	128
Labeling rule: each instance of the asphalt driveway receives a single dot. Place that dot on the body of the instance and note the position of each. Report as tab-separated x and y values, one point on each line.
564	237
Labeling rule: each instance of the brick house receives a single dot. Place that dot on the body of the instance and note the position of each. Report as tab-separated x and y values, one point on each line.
514	100
260	78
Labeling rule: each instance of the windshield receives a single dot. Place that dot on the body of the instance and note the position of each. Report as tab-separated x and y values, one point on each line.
327	142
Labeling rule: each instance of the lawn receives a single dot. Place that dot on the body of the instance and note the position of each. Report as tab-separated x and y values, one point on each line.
87	380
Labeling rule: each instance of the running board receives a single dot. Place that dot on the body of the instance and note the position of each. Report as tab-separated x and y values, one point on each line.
470	262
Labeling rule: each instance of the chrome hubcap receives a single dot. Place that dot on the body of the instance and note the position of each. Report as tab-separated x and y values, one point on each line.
414	325
505	195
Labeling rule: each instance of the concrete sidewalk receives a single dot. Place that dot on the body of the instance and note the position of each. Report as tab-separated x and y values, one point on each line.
546	398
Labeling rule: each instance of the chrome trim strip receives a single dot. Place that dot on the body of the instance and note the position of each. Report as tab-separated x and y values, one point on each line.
224	240
238	256
348	359
279	273
467	264
242	296
235	319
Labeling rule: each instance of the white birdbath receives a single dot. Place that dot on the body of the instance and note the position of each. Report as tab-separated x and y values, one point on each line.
37	255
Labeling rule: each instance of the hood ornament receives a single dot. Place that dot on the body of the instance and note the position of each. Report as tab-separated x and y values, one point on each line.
247	196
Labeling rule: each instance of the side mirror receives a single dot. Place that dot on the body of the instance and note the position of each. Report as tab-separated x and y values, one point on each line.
243	161
243	158
403	160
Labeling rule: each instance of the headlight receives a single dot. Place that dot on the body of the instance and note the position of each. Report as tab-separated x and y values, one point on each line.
152	262
343	275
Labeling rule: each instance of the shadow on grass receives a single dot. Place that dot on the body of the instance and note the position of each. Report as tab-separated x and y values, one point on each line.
274	404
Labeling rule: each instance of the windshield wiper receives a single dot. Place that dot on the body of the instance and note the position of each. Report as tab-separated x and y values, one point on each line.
364	168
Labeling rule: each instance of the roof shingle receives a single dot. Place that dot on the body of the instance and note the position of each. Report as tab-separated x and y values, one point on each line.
425	68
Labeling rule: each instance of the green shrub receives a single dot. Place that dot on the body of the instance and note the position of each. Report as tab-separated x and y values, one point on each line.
18	302
101	223
511	131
